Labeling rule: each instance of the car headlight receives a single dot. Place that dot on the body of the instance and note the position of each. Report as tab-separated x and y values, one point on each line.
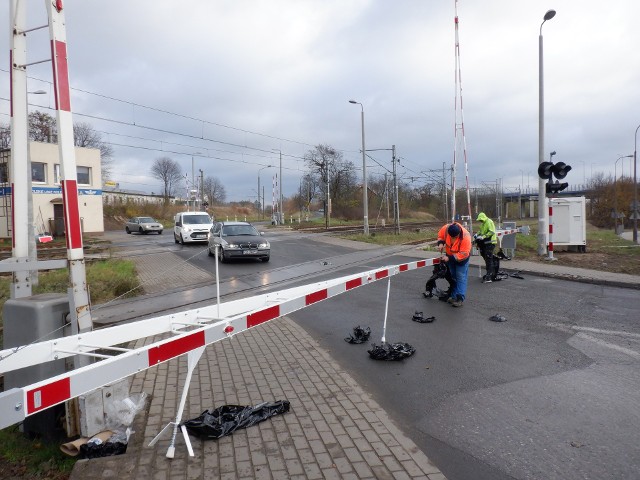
186	229
263	245
232	245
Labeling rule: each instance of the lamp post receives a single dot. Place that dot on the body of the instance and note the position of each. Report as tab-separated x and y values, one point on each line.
261	203
636	210
365	202
615	191
542	239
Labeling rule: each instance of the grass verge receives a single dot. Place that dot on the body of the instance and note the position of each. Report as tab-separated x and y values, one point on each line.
21	457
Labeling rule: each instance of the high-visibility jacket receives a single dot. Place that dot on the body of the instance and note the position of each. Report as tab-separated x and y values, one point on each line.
457	247
487	229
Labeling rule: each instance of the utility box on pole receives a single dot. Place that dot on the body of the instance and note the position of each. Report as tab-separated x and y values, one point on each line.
570	223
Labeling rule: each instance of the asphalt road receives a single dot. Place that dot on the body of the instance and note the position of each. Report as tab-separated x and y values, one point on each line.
552	393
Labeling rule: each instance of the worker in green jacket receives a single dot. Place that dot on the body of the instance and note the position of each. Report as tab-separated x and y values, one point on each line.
486	241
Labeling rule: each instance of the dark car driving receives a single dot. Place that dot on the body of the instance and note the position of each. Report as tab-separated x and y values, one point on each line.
237	240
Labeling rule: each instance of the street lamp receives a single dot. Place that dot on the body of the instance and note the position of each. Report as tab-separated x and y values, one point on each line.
364	174
636	210
261	204
542	239
615	191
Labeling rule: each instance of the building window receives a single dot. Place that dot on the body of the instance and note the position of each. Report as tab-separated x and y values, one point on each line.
4	178
83	175
38	172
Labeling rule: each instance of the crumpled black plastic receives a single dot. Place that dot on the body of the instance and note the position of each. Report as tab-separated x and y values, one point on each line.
440	270
359	335
103	449
497	318
420	318
221	421
391	351
501	255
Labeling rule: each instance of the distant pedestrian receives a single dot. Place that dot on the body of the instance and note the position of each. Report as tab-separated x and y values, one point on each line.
486	241
455	240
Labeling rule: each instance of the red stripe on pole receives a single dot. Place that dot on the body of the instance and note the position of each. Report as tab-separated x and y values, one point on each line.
421	263
71	214
11	88
263	316
316	297
175	348
382	274
13	222
404	267
356	282
60	75
48	395
550	210
551	246
551	228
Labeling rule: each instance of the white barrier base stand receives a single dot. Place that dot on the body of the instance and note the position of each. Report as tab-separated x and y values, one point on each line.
192	360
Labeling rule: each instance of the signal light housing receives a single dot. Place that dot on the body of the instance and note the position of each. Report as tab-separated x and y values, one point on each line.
555	187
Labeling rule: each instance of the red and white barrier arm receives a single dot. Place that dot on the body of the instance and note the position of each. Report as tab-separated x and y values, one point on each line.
502	233
237	317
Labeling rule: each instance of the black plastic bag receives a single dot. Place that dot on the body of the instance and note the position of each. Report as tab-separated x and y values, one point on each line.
225	420
98	449
391	351
420	318
359	335
440	271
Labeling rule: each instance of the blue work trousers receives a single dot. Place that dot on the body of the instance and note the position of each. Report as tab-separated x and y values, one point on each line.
459	273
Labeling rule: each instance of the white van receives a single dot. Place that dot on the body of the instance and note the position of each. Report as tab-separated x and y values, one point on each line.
192	227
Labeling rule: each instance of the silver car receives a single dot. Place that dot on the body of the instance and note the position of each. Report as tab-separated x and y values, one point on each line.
143	225
237	240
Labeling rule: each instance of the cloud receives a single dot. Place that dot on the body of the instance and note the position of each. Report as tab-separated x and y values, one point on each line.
247	77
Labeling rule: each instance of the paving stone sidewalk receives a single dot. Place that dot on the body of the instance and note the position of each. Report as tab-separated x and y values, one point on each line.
334	430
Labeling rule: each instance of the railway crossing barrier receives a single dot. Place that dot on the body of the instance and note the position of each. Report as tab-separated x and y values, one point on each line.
191	331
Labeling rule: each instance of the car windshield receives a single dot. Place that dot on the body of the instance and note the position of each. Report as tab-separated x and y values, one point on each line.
196	219
146	220
236	230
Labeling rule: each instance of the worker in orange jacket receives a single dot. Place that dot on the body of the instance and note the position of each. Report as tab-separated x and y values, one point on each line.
455	240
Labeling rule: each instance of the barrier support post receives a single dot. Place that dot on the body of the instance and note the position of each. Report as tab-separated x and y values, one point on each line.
192	360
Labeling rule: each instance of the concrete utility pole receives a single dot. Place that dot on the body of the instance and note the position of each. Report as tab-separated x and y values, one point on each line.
79	293
201	189
19	169
396	203
636	207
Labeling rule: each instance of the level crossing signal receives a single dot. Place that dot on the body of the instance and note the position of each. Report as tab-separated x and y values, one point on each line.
559	170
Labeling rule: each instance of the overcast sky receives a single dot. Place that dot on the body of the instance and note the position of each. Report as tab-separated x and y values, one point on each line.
230	81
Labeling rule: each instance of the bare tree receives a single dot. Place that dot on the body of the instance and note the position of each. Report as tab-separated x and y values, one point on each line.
5	136
328	165
169	173
214	191
84	135
42	127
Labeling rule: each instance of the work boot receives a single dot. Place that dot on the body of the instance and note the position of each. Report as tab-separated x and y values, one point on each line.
451	300
486	279
457	303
